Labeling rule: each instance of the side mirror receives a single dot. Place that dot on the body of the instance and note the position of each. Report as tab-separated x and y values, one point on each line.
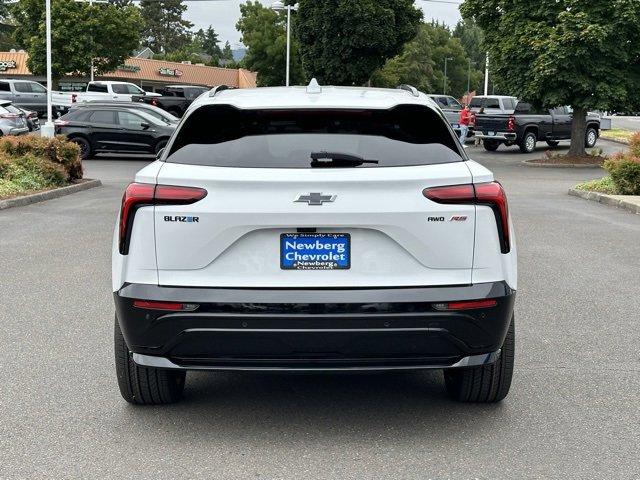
145	125
160	153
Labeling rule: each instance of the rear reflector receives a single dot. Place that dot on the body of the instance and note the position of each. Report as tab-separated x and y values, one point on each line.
466	305
490	194
173	306
144	194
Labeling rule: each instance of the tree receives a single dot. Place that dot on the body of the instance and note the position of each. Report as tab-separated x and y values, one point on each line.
210	44
564	52
164	28
345	41
264	33
471	38
80	32
421	63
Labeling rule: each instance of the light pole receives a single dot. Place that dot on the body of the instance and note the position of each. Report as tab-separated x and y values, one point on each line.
279	6
444	86
48	129
486	75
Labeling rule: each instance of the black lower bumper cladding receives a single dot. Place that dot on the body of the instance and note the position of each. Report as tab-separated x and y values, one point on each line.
314	328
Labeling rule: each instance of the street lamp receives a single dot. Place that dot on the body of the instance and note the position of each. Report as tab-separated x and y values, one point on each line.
444	87
48	129
279	6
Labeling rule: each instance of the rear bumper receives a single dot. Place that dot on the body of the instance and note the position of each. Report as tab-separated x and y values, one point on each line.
321	329
502	136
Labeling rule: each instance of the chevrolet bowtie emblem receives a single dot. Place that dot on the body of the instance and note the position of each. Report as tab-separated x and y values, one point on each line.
315	198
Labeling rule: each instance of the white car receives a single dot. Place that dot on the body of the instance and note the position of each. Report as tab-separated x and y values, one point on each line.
98	91
314	229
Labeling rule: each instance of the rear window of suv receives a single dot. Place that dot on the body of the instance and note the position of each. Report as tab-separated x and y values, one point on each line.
224	136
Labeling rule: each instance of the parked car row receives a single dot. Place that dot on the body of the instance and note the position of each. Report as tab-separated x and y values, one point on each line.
33	96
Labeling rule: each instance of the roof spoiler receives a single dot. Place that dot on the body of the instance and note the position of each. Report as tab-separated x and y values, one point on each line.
412	90
218	88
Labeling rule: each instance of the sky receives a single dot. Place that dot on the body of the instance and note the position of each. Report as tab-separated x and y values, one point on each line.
223	15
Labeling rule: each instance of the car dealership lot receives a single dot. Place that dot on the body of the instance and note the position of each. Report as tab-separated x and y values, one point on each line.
572	411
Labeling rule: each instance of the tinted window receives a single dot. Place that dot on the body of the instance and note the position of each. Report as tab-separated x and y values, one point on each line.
491	103
130	120
193	93
103	116
4	87
97	87
221	135
37	88
22	87
476	102
123	88
79	115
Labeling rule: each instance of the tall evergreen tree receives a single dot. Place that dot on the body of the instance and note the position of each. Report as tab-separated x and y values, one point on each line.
210	43
164	29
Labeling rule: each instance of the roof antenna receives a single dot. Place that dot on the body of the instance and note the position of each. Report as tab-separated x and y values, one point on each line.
314	86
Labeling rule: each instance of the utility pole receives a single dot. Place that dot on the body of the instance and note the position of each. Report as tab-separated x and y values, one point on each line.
486	75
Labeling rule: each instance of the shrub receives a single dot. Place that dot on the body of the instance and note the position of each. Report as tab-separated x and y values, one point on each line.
624	169
634	144
57	150
29	172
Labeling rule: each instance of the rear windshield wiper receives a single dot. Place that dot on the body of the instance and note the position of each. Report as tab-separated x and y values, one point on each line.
337	159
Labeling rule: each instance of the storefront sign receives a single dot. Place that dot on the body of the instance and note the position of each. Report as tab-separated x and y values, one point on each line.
7	64
170	72
129	68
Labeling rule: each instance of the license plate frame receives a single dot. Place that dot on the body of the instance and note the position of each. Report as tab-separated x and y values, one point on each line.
326	256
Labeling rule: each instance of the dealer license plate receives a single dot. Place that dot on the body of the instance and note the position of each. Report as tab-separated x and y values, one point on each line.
315	251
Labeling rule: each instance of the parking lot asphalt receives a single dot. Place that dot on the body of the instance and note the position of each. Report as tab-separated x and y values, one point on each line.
572	411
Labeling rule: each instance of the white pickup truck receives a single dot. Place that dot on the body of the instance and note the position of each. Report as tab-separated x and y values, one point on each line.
104	91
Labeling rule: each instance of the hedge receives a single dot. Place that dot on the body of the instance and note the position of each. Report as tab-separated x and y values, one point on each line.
29	163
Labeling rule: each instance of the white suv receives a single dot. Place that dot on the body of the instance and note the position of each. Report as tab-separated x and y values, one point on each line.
314	229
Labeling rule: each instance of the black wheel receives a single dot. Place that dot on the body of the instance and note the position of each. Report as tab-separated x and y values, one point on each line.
144	385
490	145
85	147
160	145
485	383
528	142
590	137
553	143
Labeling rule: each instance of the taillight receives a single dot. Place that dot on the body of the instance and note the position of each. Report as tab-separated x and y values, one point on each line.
154	102
466	305
143	194
511	123
173	306
490	194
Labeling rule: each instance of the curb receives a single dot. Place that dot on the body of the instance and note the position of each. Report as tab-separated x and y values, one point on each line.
621	142
49	194
606	199
531	163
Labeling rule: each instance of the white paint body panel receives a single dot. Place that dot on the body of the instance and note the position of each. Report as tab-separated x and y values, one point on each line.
235	243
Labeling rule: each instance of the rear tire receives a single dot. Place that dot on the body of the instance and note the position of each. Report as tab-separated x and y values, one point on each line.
144	385
485	383
85	147
490	145
528	142
590	137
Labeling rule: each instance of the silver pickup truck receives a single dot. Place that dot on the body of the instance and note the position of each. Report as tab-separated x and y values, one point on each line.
24	94
451	109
